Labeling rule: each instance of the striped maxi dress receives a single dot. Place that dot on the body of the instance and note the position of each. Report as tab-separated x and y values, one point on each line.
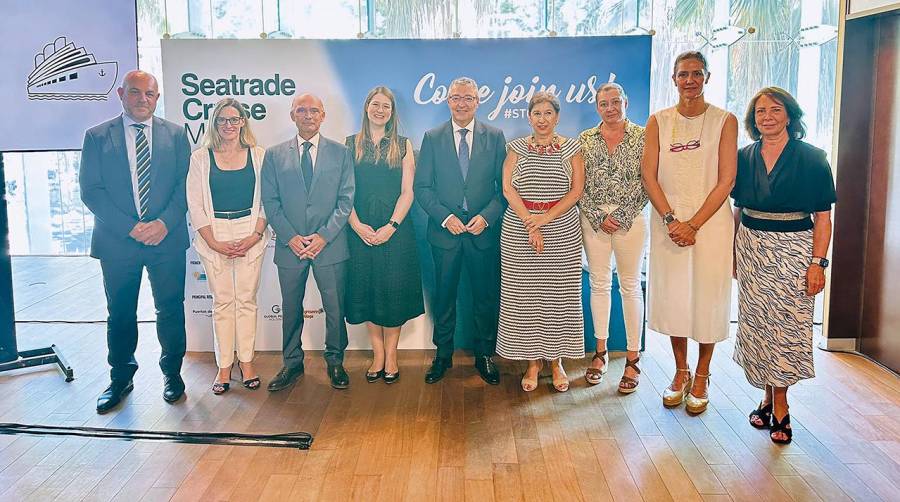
540	294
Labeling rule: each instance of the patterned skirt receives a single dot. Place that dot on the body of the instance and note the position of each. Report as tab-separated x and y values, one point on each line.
540	294
775	317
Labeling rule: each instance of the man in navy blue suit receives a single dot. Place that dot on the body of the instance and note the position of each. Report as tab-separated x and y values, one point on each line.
133	171
459	183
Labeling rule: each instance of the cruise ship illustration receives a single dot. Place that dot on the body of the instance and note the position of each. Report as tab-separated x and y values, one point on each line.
65	72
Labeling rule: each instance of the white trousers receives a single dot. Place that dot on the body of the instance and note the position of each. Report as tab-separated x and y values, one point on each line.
234	284
629	248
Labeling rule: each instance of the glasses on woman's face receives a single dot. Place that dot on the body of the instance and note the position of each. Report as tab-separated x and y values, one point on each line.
680	147
234	121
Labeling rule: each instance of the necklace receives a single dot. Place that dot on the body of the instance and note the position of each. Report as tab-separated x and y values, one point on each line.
554	145
692	144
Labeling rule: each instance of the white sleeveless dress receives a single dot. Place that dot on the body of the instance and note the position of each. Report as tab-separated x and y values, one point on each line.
690	287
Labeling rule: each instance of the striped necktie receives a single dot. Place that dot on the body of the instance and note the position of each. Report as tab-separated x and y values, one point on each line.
142	151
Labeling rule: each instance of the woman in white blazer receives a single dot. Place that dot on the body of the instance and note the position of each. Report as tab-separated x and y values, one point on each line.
223	192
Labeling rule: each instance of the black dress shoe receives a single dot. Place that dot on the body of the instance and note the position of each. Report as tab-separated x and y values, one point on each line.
285	378
439	366
173	388
113	395
337	375
390	378
487	369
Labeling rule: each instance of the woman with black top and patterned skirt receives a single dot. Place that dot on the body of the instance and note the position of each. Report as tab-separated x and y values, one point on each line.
540	248
779	251
384	284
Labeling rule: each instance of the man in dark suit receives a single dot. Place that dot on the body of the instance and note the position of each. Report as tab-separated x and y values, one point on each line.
459	183
133	171
307	192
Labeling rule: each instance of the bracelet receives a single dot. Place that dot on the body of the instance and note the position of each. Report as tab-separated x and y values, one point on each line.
393	224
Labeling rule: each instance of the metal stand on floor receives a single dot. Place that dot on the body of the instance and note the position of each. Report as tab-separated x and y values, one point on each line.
10	357
40	357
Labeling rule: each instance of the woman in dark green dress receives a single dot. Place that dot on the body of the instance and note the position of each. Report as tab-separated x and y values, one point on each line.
384	287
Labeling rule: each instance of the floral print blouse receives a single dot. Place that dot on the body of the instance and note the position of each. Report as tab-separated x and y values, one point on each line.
613	179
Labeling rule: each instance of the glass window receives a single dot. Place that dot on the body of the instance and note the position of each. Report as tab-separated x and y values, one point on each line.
317	19
504	19
46	215
235	18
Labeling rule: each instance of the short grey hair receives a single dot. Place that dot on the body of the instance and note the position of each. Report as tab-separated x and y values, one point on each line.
610	85
464	81
543	97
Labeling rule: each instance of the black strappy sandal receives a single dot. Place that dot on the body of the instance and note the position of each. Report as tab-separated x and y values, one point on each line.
250	383
764	414
783	427
219	388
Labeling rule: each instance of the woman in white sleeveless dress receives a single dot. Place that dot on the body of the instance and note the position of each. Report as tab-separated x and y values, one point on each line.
689	165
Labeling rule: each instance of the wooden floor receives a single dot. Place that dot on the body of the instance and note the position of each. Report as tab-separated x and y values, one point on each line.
65	288
459	439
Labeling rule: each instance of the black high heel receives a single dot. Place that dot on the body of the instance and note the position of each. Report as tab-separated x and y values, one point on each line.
219	388
250	383
783	427
764	414
390	378
374	376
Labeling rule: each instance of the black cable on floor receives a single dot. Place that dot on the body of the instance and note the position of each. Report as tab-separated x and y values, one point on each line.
300	440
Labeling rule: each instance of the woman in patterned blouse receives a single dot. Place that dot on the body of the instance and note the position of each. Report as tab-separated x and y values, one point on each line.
613	222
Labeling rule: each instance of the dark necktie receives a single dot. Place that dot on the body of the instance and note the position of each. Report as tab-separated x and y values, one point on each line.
306	166
464	158
142	154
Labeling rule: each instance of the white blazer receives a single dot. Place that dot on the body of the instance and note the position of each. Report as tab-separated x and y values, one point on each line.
200	205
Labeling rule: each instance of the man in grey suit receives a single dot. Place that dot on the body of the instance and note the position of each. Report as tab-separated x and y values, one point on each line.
459	183
132	177
307	192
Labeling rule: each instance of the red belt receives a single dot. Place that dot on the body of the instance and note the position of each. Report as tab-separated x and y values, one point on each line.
539	206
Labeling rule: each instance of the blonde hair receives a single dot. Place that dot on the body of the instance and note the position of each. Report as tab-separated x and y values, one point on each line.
391	130
213	140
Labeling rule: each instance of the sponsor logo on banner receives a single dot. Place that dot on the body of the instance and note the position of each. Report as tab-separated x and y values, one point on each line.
275	314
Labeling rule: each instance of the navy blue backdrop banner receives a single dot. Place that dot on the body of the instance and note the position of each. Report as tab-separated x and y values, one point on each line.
265	75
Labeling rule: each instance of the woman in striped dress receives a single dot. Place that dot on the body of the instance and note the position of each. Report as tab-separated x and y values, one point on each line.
540	248
780	252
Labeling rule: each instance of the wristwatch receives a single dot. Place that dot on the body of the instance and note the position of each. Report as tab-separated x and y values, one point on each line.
393	223
668	218
822	262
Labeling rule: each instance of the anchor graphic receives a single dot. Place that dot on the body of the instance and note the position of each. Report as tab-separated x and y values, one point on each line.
102	73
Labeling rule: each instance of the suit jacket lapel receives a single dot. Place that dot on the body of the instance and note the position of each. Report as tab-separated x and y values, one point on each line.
294	154
121	166
449	145
321	162
161	143
479	145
